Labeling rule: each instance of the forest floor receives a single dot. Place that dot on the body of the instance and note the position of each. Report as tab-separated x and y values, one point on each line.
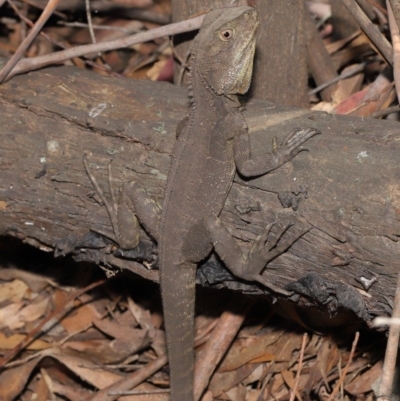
66	332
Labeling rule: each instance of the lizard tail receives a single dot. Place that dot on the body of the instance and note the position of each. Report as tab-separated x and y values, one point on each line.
178	306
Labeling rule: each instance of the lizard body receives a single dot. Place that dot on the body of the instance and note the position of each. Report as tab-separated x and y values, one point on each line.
201	173
211	145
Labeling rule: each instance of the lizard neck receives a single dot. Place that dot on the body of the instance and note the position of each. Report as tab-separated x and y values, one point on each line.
204	97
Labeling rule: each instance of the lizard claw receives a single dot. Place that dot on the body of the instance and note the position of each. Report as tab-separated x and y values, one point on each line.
262	240
261	244
263	251
279	235
291	144
298	136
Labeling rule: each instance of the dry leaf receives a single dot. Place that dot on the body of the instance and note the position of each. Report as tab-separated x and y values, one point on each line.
33	311
70	392
237	393
222	382
142	316
347	87
104	351
285	345
15	339
253	395
85	369
255	375
375	97
363	383
36	282
155	71
13	381
265	357
9	315
13	291
39	389
247	349
80	318
120	332
327	357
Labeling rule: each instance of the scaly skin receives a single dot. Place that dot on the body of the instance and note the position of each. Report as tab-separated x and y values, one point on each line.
212	143
201	174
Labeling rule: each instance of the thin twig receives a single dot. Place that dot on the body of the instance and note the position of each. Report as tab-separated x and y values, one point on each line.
299	368
267	376
60	44
111	393
371	30
32	335
383	113
220	340
89	20
28	358
395	9
134	379
91	30
394	33
130	381
343	75
47	12
346	368
41	7
31	24
29	64
389	363
99	27
386	321
140	392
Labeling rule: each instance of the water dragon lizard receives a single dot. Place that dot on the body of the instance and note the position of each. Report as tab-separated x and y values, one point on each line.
212	144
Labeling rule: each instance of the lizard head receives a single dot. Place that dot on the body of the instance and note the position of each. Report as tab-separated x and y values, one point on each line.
224	50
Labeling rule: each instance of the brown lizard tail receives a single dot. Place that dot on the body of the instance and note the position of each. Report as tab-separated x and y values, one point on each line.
178	306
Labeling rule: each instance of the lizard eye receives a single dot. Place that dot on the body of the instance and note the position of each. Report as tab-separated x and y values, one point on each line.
227	34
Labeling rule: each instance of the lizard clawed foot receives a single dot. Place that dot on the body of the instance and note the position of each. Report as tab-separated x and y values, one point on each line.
263	251
291	144
249	267
120	212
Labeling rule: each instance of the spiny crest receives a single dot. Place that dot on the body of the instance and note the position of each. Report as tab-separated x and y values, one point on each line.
190	93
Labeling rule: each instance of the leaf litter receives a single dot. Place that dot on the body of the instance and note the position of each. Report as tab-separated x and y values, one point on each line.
113	334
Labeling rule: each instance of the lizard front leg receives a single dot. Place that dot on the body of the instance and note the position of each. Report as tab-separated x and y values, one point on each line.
250	166
132	205
249	266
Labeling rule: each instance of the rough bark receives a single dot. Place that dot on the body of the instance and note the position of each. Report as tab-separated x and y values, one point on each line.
346	187
280	67
181	10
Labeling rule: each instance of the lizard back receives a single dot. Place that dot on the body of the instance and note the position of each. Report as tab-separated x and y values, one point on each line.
201	174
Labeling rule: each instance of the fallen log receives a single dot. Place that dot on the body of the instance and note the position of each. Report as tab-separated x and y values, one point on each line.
345	189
